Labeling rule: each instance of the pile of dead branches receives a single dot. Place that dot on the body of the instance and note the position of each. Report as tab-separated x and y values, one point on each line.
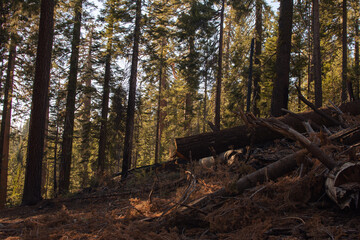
328	154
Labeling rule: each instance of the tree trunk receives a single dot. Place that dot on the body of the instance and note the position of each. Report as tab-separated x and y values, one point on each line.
357	66
32	186
258	50
5	123
309	73
346	90
105	98
227	49
280	91
4	34
45	159
161	105
190	91
205	95
316	54
219	73
128	145
299	85
56	143
104	114
188	112
241	136
86	127
248	100
118	105
66	150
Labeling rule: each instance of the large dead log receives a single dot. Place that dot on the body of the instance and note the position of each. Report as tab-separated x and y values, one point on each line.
343	184
198	146
270	172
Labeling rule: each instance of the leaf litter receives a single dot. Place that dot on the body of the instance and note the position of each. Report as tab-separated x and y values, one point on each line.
157	205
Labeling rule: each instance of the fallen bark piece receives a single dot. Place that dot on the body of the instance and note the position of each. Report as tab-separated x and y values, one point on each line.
343	185
239	137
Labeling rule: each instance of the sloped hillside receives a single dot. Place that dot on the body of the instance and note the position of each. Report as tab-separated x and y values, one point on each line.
163	203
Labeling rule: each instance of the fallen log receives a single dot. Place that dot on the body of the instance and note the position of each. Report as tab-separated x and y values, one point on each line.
314	125
197	146
343	185
270	172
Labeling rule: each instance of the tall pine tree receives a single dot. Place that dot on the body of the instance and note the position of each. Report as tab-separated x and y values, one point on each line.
67	142
280	91
32	187
130	114
5	122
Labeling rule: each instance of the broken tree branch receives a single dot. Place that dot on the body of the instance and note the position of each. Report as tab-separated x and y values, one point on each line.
287	131
312	106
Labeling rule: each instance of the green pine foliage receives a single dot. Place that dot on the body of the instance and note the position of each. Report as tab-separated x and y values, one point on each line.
176	75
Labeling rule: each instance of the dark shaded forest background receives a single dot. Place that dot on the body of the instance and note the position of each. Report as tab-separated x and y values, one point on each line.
128	77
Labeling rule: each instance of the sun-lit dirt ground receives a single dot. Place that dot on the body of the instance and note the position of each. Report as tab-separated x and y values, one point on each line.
147	206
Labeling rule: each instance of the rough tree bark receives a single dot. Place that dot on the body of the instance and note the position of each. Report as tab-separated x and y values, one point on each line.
279	98
219	73
248	99
205	95
5	123
32	186
129	132
357	66
316	54
4	34
104	113
105	97
161	105
258	50
86	127
56	143
67	141
44	171
346	90
190	91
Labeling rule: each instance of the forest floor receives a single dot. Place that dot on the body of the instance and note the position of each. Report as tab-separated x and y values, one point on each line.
146	206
